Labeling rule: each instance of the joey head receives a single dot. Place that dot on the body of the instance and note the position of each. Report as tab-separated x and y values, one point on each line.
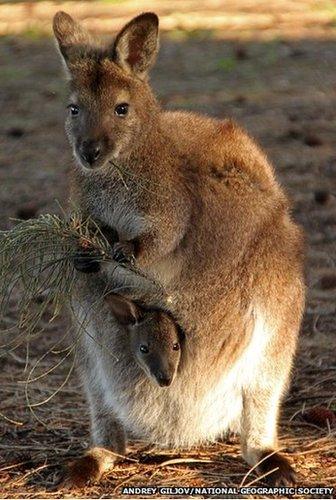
155	339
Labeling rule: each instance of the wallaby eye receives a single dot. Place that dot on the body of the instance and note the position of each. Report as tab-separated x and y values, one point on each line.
144	348
121	109
74	109
176	347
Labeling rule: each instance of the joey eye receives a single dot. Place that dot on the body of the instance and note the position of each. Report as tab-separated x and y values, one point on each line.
74	109
176	347
144	348
121	109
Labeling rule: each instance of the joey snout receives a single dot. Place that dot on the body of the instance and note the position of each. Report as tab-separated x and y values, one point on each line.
164	379
159	371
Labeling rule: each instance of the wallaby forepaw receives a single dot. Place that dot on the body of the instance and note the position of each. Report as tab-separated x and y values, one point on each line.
123	252
85	262
278	469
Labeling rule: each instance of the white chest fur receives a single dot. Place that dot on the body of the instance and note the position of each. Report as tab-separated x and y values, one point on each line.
111	203
189	411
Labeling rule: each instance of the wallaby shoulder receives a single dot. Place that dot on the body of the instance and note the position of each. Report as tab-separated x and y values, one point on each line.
220	145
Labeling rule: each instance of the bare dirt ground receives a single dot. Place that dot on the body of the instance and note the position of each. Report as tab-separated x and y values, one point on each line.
283	91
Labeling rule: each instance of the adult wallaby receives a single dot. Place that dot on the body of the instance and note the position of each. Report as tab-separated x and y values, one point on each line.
201	205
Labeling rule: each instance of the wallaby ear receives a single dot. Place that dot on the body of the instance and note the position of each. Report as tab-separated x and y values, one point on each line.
69	35
136	45
123	309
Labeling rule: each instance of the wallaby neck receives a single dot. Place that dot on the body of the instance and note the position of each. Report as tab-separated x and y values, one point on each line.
153	152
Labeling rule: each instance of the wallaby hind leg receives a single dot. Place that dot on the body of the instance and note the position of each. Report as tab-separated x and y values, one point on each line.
108	445
106	430
259	430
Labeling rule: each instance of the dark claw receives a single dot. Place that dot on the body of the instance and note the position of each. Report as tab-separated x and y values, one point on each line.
123	253
85	263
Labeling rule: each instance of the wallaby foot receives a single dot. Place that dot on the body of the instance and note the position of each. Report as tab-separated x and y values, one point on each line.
259	430
107	432
278	469
87	469
259	442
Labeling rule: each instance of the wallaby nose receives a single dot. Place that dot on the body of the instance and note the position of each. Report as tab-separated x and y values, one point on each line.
90	151
163	379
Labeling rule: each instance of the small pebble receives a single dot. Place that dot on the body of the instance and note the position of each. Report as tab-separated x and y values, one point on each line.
297	52
240	52
27	211
293	133
328	282
15	132
320	416
49	94
322	197
313	140
293	117
240	99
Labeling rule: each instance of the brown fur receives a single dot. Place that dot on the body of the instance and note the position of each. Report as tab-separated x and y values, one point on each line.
201	204
87	469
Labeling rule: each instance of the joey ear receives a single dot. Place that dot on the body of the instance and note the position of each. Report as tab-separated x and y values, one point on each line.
69	35
123	309
136	45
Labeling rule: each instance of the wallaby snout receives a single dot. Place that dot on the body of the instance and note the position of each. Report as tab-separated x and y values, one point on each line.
158	369
163	380
90	150
156	355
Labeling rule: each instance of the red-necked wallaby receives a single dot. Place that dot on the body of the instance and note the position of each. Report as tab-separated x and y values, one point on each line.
209	222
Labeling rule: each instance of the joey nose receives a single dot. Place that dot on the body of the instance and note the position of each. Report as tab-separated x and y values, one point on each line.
90	151
163	380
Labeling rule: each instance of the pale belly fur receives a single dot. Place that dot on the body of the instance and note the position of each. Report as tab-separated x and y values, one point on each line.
197	407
